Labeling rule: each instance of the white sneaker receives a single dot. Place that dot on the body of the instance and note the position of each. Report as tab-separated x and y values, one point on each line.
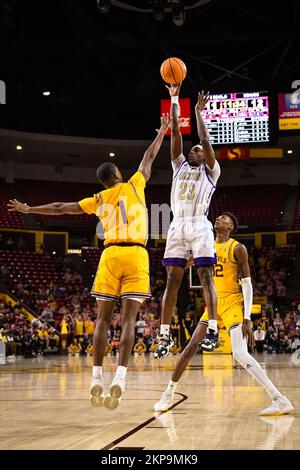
280	406
116	390
96	392
165	402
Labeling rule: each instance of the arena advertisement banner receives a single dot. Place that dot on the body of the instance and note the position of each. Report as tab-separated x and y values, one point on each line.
289	110
234	153
184	114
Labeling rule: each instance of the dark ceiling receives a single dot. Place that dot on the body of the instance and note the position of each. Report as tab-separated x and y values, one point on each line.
103	69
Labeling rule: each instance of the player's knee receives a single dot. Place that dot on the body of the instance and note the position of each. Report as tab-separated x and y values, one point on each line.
173	280
129	321
103	319
206	276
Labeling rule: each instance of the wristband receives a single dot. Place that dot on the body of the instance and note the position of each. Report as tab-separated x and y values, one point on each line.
174	99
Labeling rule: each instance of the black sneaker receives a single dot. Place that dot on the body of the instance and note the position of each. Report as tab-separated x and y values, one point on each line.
210	342
165	343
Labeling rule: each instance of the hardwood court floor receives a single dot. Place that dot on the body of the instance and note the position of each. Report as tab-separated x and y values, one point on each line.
44	405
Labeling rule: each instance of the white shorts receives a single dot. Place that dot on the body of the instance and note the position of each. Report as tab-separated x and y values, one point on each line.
190	235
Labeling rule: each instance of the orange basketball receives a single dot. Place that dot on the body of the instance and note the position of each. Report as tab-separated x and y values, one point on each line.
173	71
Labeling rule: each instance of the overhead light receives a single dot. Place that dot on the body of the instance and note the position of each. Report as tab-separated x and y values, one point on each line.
111	154
19	147
159	11
290	151
46	93
103	5
178	14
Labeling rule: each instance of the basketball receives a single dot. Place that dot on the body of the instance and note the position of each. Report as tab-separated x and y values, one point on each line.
173	71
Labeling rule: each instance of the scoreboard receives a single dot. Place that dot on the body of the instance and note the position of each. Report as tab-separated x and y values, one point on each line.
238	118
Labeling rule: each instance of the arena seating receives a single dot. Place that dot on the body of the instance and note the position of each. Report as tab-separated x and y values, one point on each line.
255	206
91	256
44	192
38	270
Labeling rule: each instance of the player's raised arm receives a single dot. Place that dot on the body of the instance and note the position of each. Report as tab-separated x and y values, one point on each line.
241	256
151	152
55	208
203	134
176	138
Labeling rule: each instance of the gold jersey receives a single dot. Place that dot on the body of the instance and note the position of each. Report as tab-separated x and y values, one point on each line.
226	273
121	210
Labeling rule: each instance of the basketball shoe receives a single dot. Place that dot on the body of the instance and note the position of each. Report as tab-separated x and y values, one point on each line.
166	401
96	392
280	406
210	342
116	390
165	344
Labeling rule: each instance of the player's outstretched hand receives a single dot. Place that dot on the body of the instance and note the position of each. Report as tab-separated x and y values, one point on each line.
248	333
165	122
203	99
174	89
16	206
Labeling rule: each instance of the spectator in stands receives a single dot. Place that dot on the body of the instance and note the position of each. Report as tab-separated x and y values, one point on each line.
90	349
153	347
175	328
107	351
47	315
188	326
271	340
140	325
44	337
147	335
79	327
277	321
259	336
89	327
36	343
53	340
139	347
64	333
74	348
115	342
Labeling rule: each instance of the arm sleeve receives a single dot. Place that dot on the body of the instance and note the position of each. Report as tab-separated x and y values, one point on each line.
248	297
138	180
177	162
215	171
89	204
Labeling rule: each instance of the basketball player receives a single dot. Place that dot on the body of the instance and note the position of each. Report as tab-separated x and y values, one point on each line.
234	310
194	182
123	270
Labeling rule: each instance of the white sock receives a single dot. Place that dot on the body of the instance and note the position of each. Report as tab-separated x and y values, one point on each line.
172	385
97	371
240	352
213	325
121	372
164	329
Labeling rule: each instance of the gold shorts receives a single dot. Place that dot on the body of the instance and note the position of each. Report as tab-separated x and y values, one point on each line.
123	272
230	311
